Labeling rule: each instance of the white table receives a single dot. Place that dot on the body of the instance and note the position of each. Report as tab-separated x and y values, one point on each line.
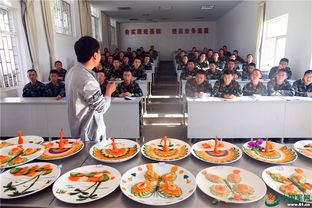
245	117
46	117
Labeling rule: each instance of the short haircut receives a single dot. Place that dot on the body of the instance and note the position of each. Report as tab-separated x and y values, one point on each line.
31	70
85	47
101	71
231	60
210	50
127	70
224	46
212	62
257	70
191	61
201	72
284	60
252	64
235	51
116	59
57	62
221	49
137	58
249	54
283	70
202	54
308	71
185	56
228	71
215	52
54	72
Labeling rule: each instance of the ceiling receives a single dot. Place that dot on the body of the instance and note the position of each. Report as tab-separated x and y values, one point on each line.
164	11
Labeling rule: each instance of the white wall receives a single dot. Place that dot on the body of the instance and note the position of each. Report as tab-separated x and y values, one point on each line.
166	42
237	28
299	32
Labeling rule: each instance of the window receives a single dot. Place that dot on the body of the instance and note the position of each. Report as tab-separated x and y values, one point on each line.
95	17
274	42
10	75
62	16
113	25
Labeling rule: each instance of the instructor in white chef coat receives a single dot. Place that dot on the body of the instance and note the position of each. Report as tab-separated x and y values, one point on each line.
85	102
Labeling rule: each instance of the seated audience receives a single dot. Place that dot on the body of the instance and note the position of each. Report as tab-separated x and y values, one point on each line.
238	58
126	63
61	72
226	52
215	58
303	87
116	70
213	72
55	88
128	88
138	70
283	64
183	65
249	59
198	87
102	81
202	62
231	66
248	70
34	88
255	87
147	63
190	71
227	87
279	86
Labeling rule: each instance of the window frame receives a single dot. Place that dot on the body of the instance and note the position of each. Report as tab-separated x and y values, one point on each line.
61	29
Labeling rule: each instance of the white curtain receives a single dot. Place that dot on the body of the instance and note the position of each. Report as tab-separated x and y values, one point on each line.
106	31
31	29
49	29
85	17
260	24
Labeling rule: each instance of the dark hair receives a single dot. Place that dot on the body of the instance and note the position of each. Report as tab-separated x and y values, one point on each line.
127	70
215	53
308	71
116	59
221	49
201	72
224	46
249	54
101	71
235	51
137	58
284	60
31	70
185	56
210	50
231	60
257	70
54	72
202	54
57	62
252	64
212	62
283	70
85	47
228	71
191	61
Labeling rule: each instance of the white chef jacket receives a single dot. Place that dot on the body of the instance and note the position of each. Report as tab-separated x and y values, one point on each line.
85	104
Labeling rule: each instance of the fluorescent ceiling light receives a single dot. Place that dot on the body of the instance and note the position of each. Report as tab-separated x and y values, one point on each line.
204	7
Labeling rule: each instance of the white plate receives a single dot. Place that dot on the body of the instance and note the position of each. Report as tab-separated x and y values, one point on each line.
27	139
185	180
56	145
5	152
198	147
63	184
176	144
286	171
121	143
300	144
43	181
276	146
247	177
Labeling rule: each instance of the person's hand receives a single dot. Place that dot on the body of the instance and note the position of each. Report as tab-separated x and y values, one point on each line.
112	79
196	94
231	96
189	77
122	94
110	88
309	94
134	78
201	95
58	97
128	94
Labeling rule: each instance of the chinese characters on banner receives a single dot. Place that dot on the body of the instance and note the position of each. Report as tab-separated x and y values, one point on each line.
151	31
186	31
174	31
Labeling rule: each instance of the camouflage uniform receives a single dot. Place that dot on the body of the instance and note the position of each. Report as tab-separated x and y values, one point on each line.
53	90
126	67
201	65
285	88
220	89
117	73
249	89
103	87
192	87
182	66
147	66
62	73
234	71
139	73
245	74
187	73
216	75
275	70
300	89
133	88
36	90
